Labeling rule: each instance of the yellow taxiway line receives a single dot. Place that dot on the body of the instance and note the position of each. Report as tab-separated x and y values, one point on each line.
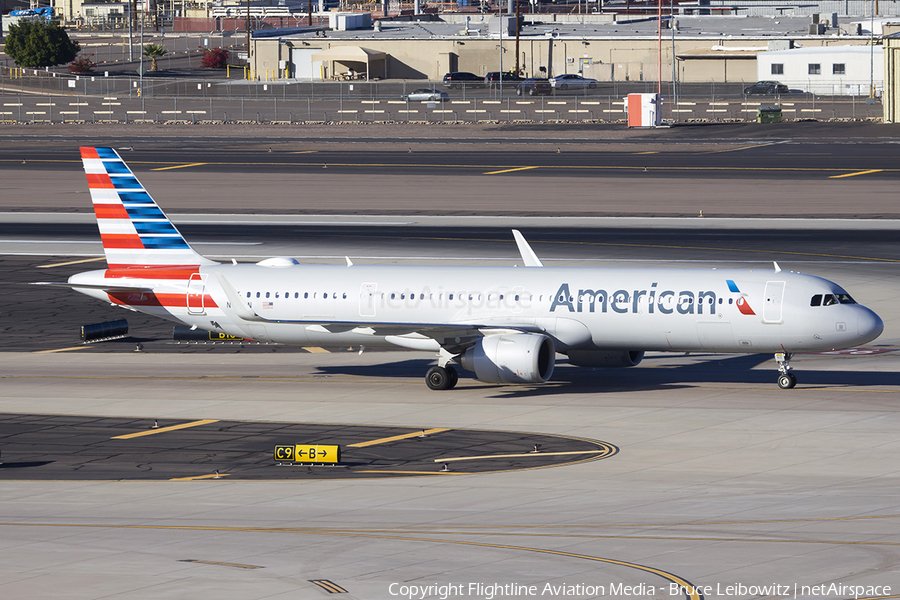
329	586
510	170
179	166
855	174
528	454
405	436
197	477
129	436
61	350
71	262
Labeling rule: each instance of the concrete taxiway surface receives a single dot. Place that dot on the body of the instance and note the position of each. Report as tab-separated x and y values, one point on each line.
722	481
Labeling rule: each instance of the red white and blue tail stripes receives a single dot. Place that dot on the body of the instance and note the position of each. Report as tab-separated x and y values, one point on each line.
134	230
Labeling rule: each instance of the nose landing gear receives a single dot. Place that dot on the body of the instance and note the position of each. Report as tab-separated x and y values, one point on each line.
786	379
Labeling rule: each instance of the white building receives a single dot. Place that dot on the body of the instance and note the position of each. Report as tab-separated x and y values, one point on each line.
839	70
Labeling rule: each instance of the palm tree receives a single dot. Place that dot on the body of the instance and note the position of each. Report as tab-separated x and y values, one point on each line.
154	51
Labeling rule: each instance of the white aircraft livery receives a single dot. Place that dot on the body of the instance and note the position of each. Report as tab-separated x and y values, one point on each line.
505	324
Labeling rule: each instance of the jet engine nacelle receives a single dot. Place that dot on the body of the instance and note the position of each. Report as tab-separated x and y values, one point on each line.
605	358
511	358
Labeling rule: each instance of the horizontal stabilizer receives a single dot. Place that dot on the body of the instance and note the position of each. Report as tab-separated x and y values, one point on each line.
95	286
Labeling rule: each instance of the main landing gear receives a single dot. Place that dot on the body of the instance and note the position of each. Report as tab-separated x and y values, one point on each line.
441	378
786	379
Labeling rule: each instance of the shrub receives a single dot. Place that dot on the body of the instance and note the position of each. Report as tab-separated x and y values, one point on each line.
82	64
217	58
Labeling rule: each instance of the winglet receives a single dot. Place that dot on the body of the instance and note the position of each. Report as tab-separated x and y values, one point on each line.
777	268
528	256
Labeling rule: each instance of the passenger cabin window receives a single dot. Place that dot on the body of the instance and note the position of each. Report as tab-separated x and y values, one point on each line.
816	300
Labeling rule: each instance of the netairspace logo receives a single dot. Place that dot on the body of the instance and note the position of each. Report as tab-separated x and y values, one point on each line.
492	591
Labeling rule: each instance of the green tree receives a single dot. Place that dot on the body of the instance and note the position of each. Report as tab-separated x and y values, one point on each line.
154	51
39	44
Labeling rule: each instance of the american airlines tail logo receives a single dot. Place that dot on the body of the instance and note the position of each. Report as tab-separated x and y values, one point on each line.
742	303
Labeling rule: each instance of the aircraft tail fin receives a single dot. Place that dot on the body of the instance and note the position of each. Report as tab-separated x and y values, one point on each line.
135	231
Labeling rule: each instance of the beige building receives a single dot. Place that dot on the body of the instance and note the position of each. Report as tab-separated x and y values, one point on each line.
595	50
68	10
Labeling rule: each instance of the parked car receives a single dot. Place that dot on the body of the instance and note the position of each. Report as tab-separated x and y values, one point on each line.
493	79
572	81
534	86
426	95
461	79
766	87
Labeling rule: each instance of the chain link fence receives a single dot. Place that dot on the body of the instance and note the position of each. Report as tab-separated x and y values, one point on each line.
29	95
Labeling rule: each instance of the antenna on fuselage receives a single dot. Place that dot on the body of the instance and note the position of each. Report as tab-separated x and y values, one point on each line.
777	268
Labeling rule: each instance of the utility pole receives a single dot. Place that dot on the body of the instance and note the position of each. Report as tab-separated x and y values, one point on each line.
131	31
309	10
517	36
248	33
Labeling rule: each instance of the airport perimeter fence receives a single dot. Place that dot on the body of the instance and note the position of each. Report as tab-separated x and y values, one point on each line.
44	96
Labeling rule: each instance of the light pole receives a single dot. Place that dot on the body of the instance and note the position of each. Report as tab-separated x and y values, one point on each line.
872	56
500	29
141	68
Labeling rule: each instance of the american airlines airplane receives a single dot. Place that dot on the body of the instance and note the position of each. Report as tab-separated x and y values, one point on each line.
505	324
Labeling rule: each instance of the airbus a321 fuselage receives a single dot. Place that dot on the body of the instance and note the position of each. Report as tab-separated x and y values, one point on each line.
506	324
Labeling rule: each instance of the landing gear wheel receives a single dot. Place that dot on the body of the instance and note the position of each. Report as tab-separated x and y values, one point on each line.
437	378
454	377
787	381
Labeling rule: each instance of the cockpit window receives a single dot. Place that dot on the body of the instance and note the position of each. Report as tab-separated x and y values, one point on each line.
816	300
829	300
845	299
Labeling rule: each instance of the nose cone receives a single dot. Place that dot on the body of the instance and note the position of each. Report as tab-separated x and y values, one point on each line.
870	325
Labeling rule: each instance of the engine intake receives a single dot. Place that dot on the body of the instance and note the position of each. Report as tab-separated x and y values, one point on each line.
605	358
511	358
